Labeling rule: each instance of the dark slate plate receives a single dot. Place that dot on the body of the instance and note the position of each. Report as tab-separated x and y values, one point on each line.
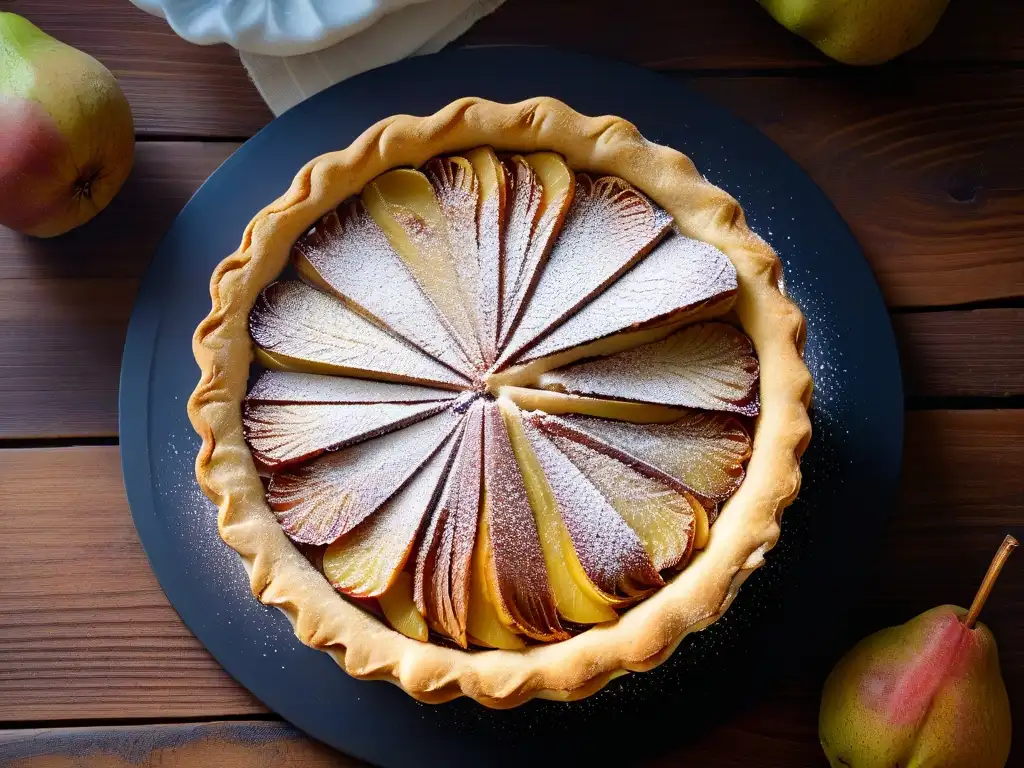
794	607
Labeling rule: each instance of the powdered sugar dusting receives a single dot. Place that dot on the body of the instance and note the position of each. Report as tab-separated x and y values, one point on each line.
520	573
292	319
710	366
321	501
363	563
610	552
288	387
661	516
610	225
350	253
281	435
676	278
524	207
701	452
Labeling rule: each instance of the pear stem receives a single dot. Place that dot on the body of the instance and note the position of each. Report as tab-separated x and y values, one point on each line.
1009	544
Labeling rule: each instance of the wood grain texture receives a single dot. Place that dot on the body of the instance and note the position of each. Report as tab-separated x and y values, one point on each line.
962	354
85	631
253	744
778	733
927	169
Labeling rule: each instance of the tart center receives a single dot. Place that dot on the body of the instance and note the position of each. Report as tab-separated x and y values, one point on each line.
505	401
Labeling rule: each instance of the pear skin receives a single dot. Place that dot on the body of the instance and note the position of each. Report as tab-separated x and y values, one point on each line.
925	693
67	137
859	32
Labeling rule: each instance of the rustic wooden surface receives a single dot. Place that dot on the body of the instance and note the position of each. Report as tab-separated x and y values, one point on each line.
923	158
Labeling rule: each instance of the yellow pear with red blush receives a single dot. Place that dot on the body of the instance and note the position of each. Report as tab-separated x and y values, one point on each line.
925	693
67	139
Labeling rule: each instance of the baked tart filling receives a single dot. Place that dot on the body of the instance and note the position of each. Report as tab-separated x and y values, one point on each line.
523	415
504	400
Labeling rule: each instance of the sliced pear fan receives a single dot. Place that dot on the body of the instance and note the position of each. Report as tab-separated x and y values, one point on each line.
404	205
366	562
703	453
298	328
681	281
442	578
281	387
542	191
513	565
609	227
319	502
490	235
495	398
663	518
710	366
347	254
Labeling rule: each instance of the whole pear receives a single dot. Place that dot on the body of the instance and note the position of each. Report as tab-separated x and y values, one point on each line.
924	694
67	139
859	31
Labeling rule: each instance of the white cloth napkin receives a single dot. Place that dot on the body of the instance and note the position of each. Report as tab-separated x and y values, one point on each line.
426	27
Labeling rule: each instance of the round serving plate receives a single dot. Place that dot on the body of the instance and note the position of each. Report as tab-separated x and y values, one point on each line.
796	604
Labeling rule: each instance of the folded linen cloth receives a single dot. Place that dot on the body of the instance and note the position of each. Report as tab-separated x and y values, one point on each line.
425	27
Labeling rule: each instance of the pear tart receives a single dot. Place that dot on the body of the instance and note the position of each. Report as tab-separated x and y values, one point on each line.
535	406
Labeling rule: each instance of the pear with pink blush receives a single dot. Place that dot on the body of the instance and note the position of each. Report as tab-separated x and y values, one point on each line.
926	693
66	132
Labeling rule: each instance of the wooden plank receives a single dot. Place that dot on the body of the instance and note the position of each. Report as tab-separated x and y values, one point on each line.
176	88
779	733
247	744
68	601
85	631
962	354
927	169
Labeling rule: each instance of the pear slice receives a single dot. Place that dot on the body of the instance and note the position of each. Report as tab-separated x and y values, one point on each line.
319	502
400	609
494	194
431	224
442	578
611	554
664	519
347	254
711	366
279	387
559	403
303	330
609	227
483	624
513	566
282	435
366	562
576	598
681	280
700	453
542	191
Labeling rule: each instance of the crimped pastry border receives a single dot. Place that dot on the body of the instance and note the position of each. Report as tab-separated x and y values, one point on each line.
648	633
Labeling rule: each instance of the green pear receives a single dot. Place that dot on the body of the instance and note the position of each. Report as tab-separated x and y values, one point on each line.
925	694
859	31
67	138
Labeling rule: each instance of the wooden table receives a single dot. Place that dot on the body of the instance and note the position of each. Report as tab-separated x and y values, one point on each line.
924	158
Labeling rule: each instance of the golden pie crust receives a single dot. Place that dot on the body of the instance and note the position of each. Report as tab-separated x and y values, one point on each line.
644	636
